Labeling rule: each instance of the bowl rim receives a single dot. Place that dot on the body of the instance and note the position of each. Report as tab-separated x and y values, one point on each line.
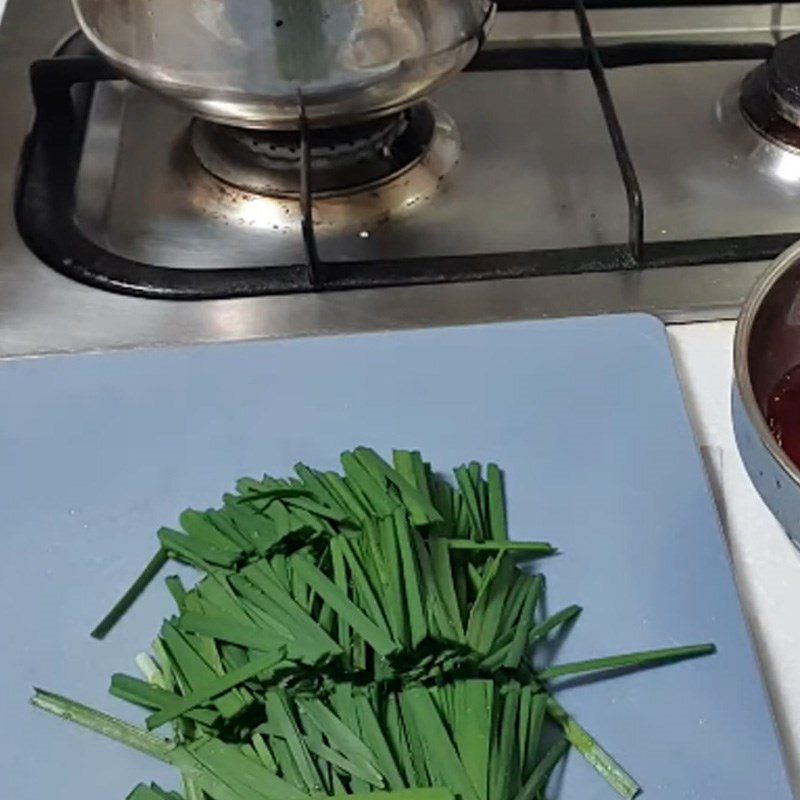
741	367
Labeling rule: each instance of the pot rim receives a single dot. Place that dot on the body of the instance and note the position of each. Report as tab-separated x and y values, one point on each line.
741	346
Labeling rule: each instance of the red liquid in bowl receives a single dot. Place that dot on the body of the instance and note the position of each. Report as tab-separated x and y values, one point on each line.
783	413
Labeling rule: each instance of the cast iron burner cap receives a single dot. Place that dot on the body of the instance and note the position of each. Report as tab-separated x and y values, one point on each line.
340	159
783	78
770	98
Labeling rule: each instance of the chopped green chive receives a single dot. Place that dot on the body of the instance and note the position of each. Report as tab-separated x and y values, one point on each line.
213	689
149	573
632	660
368	636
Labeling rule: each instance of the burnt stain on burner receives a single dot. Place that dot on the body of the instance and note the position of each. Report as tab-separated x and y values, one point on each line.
414	180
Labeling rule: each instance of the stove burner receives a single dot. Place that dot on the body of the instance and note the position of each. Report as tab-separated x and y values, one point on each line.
770	96
360	175
341	159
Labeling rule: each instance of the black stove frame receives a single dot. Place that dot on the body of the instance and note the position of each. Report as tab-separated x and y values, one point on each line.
62	89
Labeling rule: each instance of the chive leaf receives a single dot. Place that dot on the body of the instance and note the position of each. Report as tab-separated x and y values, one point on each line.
148	574
213	689
635	660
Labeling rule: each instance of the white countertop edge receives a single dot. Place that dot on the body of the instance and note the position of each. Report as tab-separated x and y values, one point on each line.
766	563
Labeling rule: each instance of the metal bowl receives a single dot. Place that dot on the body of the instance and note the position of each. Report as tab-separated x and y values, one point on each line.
254	63
766	346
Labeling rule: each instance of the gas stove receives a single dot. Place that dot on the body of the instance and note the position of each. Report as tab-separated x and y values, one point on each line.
592	161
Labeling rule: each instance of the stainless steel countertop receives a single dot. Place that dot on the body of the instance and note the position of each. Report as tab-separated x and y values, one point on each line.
43	312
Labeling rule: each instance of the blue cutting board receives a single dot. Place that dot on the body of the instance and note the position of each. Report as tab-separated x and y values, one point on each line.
587	419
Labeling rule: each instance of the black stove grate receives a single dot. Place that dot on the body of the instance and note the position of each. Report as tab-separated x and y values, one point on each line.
633	191
62	88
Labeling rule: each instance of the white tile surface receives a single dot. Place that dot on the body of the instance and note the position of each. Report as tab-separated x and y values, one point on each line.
767	565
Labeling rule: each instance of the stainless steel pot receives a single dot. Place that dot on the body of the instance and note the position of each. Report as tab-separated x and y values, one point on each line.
245	62
766	346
